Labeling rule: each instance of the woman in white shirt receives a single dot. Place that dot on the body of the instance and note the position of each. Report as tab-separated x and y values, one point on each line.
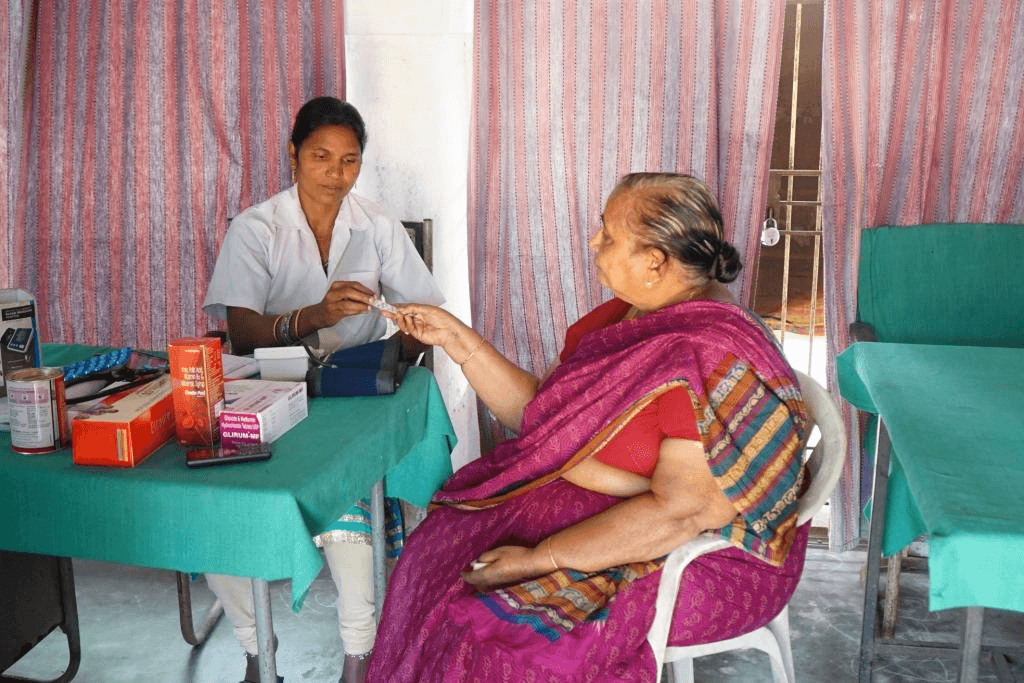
306	264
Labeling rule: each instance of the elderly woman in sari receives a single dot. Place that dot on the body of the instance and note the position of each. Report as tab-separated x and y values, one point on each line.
669	413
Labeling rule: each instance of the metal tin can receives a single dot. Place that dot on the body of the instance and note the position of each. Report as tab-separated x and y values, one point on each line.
39	416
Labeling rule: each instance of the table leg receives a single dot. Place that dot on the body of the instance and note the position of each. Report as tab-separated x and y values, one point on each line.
880	489
264	631
188	630
892	594
378	544
1001	666
970	644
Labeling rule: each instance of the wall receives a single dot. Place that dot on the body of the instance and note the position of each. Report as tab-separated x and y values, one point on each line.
409	72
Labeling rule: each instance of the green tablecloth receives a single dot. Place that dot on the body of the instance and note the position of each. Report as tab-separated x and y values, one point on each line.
955	415
253	519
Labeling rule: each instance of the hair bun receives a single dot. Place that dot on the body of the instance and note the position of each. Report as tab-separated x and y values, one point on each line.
726	266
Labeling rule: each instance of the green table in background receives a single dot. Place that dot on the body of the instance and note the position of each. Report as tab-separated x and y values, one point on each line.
253	519
955	417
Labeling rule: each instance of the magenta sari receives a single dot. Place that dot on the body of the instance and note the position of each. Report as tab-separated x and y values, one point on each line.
435	627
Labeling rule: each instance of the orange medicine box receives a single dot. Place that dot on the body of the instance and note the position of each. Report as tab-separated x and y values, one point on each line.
197	383
124	429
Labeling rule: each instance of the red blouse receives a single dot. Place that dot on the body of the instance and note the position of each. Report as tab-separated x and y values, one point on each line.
635	448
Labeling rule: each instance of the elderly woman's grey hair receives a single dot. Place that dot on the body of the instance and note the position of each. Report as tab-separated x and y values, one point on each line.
677	213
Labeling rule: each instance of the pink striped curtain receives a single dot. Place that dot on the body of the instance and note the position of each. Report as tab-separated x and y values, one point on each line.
923	110
142	127
571	94
15	29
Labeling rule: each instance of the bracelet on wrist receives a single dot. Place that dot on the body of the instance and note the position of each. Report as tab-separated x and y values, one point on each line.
296	337
551	556
283	329
278	321
473	352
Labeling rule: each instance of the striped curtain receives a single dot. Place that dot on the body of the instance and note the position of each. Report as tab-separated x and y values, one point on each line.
15	29
571	94
923	110
142	127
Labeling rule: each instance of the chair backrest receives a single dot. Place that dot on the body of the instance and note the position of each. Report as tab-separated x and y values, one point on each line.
422	235
825	464
945	283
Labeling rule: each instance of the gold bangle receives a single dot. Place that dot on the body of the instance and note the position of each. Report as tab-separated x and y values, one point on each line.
473	352
551	555
296	336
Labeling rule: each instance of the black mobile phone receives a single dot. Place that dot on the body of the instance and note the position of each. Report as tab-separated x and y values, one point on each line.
223	455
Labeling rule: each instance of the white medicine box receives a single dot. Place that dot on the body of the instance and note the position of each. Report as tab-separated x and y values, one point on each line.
283	363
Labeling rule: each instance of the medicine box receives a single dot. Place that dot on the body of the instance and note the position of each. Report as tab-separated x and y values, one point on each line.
260	411
19	335
286	363
197	387
124	429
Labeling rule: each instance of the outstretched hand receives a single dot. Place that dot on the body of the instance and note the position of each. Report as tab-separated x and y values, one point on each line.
429	324
505	565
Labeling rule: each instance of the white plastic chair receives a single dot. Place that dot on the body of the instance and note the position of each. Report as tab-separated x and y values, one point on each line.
824	466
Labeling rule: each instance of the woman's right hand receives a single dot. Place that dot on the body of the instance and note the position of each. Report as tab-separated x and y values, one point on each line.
429	324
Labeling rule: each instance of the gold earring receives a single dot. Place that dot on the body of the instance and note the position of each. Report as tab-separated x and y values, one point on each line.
293	174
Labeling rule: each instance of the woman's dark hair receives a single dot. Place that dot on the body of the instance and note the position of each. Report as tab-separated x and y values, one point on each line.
677	214
327	111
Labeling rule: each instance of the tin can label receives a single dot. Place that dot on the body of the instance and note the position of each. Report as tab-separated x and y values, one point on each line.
39	422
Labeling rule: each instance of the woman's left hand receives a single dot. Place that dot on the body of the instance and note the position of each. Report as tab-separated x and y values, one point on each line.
506	565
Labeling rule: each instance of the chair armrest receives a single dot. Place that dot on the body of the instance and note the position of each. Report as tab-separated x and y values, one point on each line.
862	332
668	590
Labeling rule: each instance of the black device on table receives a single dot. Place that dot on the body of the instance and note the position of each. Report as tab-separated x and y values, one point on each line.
224	455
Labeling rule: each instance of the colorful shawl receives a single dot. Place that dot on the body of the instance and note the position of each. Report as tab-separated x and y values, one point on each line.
751	420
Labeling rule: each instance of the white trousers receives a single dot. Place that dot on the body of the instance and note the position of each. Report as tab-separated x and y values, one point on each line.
351	566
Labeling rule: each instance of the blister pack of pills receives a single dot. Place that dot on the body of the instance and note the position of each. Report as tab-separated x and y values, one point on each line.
97	364
381	305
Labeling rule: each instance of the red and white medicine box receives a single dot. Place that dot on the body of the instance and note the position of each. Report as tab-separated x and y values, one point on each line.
260	411
197	384
124	429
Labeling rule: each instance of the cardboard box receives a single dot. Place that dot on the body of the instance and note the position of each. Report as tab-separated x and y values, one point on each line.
197	388
124	429
260	411
19	338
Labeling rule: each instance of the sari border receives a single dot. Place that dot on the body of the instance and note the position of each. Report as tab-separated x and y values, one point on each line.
596	443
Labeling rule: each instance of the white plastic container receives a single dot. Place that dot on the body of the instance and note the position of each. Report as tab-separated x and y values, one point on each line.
283	363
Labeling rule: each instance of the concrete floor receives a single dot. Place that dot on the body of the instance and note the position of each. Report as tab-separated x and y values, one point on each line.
129	632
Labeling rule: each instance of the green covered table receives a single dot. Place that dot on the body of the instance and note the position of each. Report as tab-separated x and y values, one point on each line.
955	416
253	519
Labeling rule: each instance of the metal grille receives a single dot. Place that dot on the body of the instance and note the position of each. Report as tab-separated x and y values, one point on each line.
788	286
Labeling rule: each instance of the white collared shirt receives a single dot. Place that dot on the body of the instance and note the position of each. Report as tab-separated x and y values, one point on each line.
269	263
